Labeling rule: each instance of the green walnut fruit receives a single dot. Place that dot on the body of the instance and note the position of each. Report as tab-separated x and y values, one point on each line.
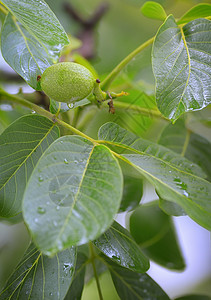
67	82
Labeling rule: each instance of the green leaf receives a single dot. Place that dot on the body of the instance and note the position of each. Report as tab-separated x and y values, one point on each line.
32	39
172	175
181	63
132	193
77	285
194	297
112	132
193	146
201	10
171	208
119	246
40	277
23	52
155	234
134	286
21	145
153	10
72	195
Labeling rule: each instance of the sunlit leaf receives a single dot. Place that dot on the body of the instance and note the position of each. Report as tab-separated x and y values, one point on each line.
40	277
173	177
201	10
153	10
72	195
21	145
118	245
155	234
134	286
181	63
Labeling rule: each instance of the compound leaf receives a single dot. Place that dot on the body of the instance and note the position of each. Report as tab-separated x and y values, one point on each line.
21	145
181	59
119	246
40	277
72	195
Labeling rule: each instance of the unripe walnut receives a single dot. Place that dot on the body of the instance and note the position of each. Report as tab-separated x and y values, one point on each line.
67	82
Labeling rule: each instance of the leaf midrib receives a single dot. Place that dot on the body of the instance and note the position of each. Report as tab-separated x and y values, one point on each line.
75	198
150	155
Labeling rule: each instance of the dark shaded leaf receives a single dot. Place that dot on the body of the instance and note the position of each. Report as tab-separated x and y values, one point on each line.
194	297
77	285
155	234
40	277
133	286
118	245
132	193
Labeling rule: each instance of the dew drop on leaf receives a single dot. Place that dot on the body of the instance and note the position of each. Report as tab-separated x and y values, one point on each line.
40	178
65	161
41	210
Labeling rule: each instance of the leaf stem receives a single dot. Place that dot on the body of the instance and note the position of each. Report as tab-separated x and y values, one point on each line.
108	80
92	256
187	139
138	109
45	113
2	9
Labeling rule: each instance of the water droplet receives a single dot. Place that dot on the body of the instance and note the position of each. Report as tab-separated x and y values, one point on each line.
169	171
55	158
65	161
58	207
70	105
55	223
50	294
48	202
36	220
76	161
116	258
41	210
67	268
40	178
185	193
